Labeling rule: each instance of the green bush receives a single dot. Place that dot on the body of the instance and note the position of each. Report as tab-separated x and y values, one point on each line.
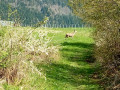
19	48
3	31
104	15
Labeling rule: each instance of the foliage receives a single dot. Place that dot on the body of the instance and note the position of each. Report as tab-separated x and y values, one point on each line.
41	23
13	16
104	15
29	16
20	48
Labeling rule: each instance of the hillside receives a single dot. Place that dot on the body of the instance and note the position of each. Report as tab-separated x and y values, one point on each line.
32	11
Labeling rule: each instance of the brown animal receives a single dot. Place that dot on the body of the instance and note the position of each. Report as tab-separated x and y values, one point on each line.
70	34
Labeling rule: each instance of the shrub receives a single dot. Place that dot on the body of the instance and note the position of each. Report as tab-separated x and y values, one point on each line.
19	48
104	15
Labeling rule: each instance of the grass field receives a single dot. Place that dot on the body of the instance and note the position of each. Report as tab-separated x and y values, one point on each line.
70	71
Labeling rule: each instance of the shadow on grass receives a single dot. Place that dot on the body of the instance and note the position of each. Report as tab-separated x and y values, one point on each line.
76	52
78	44
68	74
74	75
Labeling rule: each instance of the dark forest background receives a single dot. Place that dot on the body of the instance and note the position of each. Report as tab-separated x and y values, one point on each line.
32	11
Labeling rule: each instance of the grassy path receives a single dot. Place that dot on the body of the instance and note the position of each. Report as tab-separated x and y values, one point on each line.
71	72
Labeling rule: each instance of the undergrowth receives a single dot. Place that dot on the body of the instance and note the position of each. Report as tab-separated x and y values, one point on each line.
20	48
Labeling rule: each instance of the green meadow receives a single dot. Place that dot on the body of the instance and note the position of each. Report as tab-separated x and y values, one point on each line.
74	67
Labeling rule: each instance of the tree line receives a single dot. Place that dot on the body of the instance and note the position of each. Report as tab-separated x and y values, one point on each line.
28	17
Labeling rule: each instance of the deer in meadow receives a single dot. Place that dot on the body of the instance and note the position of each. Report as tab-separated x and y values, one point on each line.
70	34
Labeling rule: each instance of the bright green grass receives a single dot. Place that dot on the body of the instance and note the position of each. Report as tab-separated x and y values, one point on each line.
71	72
